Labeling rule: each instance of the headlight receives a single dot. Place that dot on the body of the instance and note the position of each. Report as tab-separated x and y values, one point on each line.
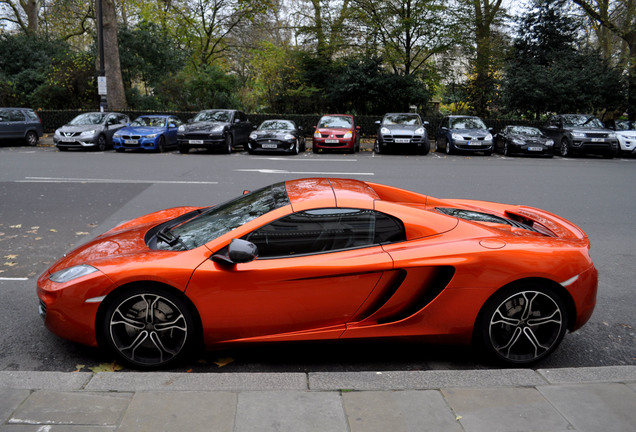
317	134
457	137
88	133
549	142
151	136
578	134
385	131
419	131
488	137
57	132
611	135
181	128
517	141
253	136
71	273
289	137
217	128
348	134
117	135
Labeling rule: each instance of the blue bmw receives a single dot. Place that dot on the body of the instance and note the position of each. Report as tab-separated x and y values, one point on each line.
150	132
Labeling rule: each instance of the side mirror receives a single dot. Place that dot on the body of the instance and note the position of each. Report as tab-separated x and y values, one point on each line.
239	252
378	122
172	125
425	123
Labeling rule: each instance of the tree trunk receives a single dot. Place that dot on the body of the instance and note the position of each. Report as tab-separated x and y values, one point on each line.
32	9
115	85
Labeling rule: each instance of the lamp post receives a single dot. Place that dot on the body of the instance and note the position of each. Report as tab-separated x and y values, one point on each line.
101	78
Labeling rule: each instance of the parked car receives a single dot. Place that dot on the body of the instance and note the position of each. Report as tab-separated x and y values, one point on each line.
463	134
325	258
400	131
580	133
277	136
215	129
523	140
336	132
151	132
626	136
20	124
93	130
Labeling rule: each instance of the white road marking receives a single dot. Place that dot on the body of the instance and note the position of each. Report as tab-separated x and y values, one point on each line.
303	159
274	171
116	181
13	279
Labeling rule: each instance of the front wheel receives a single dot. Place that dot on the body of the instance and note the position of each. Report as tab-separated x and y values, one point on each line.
522	324
147	327
565	148
101	143
228	143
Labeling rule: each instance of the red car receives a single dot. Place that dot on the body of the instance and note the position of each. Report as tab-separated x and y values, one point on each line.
337	132
320	258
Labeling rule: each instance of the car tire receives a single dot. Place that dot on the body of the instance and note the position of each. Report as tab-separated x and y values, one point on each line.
506	150
161	144
425	149
101	143
564	149
376	147
522	324
147	327
228	143
449	148
296	148
31	139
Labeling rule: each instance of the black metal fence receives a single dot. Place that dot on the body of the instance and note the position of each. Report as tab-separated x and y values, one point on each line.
53	119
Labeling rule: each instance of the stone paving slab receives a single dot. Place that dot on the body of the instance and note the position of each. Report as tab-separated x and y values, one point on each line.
607	407
291	411
423	380
189	411
45	407
589	374
399	411
164	381
504	410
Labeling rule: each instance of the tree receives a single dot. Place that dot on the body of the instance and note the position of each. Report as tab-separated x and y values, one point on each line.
546	71
619	16
114	80
409	32
24	13
325	24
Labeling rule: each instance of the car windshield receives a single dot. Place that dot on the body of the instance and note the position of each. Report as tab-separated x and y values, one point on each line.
149	121
335	122
624	125
582	121
467	123
402	119
226	217
88	119
524	130
213	116
276	125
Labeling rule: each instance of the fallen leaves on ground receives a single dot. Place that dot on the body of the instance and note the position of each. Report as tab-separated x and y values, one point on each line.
224	361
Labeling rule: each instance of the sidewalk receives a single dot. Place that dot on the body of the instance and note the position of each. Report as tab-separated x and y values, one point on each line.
522	400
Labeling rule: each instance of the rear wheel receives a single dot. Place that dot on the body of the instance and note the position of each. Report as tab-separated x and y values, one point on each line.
147	327
522	324
31	139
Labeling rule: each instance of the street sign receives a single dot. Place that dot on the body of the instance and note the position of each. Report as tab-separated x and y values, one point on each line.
101	86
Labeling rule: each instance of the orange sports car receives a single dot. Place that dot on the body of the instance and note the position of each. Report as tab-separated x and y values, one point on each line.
325	258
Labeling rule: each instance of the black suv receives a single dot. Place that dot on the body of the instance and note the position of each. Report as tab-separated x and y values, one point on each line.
215	129
20	124
580	133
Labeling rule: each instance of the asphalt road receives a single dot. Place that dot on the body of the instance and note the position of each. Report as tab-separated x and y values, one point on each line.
51	201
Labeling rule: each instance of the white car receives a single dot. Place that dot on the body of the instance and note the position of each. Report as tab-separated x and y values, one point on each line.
626	134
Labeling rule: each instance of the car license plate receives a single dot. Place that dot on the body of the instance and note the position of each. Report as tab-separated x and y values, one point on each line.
269	146
130	141
196	141
332	141
402	140
535	148
598	139
473	143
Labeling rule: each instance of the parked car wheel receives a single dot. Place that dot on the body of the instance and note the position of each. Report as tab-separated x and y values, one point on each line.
522	324
376	147
449	150
161	144
31	138
147	326
506	150
425	149
565	148
101	143
228	143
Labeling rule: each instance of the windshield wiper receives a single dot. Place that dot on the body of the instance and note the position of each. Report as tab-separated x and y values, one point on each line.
166	236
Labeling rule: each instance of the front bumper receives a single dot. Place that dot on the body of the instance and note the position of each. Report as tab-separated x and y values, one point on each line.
594	145
75	142
271	145
473	145
402	141
142	143
627	144
334	143
201	141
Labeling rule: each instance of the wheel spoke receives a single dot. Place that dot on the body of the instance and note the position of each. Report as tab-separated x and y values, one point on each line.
123	319
504	320
505	349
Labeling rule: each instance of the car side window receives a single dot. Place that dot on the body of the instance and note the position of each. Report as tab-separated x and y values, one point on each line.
325	230
16	115
4	115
